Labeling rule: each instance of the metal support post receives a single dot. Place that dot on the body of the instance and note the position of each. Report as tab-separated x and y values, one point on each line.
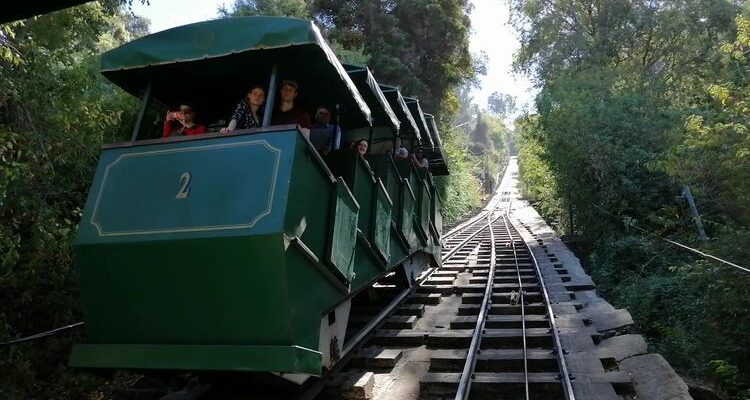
271	98
694	211
145	101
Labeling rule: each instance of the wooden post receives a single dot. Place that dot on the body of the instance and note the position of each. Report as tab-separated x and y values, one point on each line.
570	216
694	211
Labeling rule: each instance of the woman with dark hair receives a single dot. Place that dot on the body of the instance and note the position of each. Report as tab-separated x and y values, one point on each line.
247	114
420	160
182	122
360	146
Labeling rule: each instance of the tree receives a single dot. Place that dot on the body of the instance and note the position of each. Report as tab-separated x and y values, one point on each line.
636	99
421	46
285	8
502	104
55	112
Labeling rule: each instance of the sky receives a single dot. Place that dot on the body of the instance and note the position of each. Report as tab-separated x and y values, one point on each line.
491	33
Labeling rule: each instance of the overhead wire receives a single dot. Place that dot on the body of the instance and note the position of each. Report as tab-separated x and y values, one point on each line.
41	335
672	242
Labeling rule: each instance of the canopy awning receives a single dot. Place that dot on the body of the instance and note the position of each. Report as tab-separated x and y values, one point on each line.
213	64
418	115
437	142
382	113
409	129
438	164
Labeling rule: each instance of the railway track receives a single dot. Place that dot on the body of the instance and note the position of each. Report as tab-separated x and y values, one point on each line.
501	341
480	324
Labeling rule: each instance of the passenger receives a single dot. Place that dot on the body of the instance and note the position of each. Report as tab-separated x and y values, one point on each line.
247	113
401	152
323	135
419	159
360	146
182	122
288	113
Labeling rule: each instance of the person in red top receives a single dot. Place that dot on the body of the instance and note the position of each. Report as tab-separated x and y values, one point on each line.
182	123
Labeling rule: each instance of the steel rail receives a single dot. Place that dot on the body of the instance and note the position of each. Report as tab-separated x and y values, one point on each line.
360	338
464	385
486	210
522	301
565	375
466	224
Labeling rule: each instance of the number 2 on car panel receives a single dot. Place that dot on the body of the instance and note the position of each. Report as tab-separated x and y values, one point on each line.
184	186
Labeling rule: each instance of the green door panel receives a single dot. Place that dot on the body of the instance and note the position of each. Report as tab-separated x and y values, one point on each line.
407	215
381	234
424	214
343	235
198	357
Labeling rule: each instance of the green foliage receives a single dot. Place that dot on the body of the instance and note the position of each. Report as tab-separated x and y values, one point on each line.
355	56
712	154
502	104
536	180
636	100
285	8
55	112
459	191
421	46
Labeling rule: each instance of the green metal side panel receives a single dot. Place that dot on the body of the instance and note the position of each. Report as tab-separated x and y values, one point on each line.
363	190
187	190
423	215
436	207
381	234
356	172
186	292
344	232
198	271
385	169
322	215
408	201
213	357
367	266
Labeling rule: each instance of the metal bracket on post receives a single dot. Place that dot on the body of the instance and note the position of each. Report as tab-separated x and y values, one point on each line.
145	100
270	99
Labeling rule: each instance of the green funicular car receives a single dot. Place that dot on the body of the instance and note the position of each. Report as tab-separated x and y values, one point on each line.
243	251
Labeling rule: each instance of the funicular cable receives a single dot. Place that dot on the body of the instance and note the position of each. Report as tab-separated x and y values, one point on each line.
521	300
42	335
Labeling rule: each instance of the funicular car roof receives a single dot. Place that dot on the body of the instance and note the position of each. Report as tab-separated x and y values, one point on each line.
213	63
409	127
438	164
416	112
382	113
